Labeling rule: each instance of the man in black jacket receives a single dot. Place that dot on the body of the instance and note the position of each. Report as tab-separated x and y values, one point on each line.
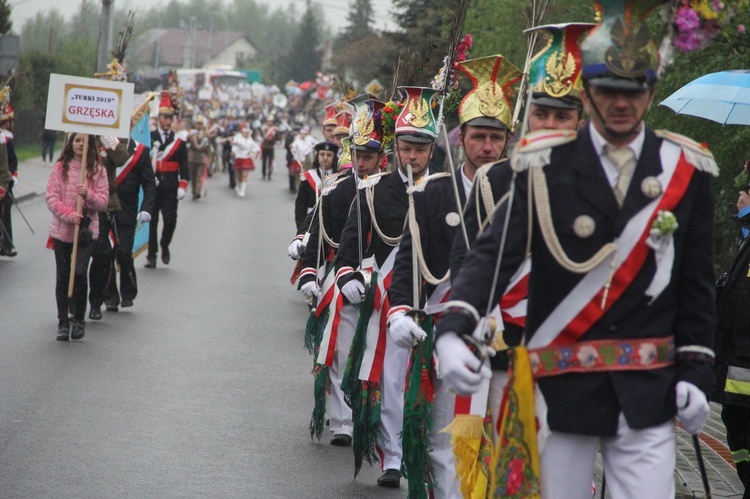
172	177
382	210
732	369
436	216
136	174
618	221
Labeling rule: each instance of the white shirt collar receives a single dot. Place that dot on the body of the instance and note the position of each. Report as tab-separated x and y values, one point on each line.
465	181
636	145
599	142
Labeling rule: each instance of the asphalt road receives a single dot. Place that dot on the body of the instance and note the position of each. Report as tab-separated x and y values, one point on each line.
202	389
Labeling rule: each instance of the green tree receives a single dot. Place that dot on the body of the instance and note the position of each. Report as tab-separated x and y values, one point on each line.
30	87
5	12
304	59
360	19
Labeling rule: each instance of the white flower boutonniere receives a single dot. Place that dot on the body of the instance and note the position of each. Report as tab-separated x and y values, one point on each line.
661	240
664	225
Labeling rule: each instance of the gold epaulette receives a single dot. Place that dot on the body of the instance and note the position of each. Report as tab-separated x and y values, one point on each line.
420	184
697	154
534	149
372	180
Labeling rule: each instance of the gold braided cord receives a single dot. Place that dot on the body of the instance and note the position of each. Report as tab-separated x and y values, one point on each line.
390	241
541	200
416	245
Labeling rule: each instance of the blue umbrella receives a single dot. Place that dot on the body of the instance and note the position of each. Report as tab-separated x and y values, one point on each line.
723	97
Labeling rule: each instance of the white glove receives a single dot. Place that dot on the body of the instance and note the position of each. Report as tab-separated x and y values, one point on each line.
457	365
180	193
404	330
14	182
294	249
109	142
310	289
143	217
354	291
692	407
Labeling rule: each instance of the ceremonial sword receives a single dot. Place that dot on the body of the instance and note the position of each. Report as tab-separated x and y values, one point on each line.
18	207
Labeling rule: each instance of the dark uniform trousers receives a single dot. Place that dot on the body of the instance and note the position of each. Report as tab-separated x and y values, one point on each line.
122	256
100	258
166	204
6	240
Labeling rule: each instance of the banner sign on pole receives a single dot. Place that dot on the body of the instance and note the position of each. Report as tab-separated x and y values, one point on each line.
89	105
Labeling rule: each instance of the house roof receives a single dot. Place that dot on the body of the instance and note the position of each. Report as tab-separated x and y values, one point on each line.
171	46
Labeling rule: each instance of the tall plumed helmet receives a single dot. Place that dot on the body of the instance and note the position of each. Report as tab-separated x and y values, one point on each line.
555	72
619	51
489	102
166	104
367	125
331	113
343	123
416	122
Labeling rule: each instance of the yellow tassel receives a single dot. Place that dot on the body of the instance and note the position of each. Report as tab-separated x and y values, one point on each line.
466	432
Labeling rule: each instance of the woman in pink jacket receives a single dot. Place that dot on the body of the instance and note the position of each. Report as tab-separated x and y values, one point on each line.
62	191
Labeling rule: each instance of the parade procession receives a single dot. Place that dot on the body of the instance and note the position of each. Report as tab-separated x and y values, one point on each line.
513	271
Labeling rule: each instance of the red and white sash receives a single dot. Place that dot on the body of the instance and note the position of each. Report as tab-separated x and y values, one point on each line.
312	178
124	170
372	361
581	308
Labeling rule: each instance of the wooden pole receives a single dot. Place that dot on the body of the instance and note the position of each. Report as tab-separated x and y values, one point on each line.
79	211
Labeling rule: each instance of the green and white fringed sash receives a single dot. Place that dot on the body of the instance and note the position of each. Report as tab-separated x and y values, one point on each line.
418	402
362	396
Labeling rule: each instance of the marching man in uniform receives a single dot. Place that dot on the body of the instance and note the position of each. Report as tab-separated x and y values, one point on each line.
383	204
169	151
618	220
485	120
7	119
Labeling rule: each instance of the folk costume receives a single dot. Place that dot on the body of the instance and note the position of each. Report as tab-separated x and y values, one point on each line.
310	186
489	192
244	150
169	157
7	117
333	210
112	154
631	310
435	217
378	364
135	174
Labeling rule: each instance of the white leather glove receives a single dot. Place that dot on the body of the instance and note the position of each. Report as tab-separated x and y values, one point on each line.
294	249
310	289
143	217
404	330
457	365
354	291
180	193
692	407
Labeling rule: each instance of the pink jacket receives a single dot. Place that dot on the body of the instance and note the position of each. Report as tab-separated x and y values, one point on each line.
61	200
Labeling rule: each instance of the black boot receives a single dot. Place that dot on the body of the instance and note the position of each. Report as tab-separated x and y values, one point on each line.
63	331
77	330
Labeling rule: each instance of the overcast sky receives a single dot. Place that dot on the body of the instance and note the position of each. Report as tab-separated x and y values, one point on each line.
336	10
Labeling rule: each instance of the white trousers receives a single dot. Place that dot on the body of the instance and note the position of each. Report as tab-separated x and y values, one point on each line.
441	452
637	463
340	413
392	382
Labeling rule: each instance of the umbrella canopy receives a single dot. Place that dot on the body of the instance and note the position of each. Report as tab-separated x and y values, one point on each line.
723	97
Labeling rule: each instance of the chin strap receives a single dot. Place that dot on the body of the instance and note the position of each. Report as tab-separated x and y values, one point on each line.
612	133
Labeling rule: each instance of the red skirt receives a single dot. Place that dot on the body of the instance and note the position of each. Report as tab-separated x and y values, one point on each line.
244	164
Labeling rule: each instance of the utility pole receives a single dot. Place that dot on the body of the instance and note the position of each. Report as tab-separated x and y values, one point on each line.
105	36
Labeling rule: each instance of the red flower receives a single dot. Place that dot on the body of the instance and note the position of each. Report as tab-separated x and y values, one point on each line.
388	109
515	477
